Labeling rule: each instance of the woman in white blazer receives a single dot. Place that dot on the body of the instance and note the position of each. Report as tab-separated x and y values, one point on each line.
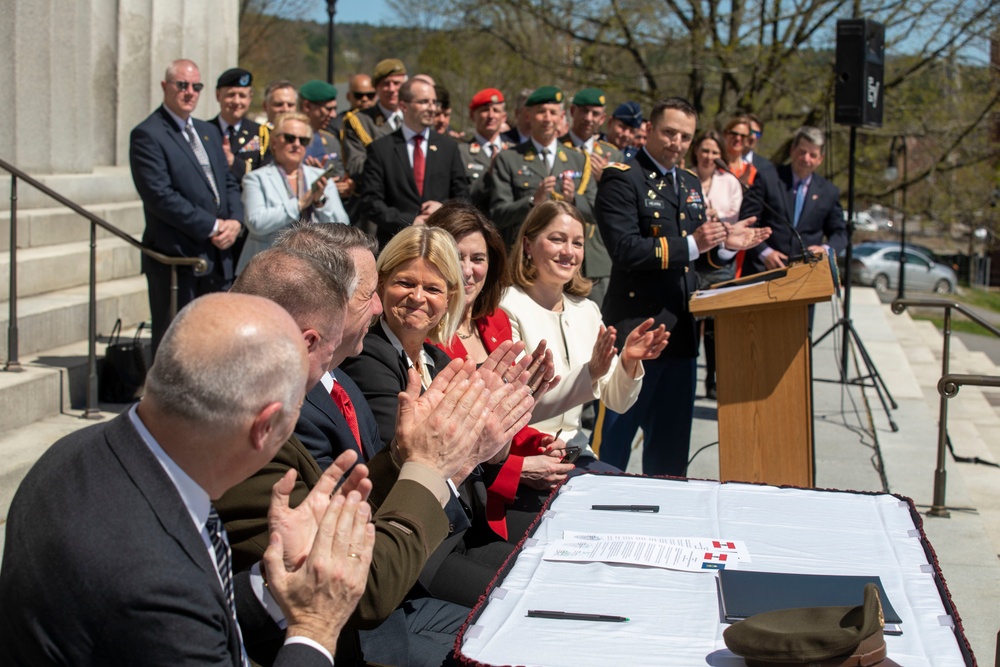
548	302
286	191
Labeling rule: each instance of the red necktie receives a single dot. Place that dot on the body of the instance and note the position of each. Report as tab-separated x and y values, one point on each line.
343	401
418	164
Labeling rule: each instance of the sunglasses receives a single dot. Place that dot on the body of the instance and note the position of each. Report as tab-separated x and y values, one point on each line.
744	137
183	86
363	96
756	134
293	138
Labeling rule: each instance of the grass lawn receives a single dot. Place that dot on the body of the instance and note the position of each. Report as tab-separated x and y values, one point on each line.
986	300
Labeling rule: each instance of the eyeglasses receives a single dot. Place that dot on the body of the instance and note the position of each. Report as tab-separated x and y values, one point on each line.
363	96
183	86
293	138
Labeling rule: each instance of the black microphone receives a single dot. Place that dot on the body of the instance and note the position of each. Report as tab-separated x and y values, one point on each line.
721	164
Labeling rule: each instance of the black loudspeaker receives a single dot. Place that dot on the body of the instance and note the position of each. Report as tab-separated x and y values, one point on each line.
860	67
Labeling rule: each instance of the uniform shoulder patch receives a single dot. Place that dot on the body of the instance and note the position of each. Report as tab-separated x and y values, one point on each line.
621	166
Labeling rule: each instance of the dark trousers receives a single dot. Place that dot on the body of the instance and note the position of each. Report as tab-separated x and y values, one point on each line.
419	633
189	288
664	411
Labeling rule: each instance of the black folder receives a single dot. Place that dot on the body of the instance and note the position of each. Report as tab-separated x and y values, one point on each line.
745	593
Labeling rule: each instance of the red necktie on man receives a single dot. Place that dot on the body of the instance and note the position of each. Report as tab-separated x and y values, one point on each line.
343	401
418	163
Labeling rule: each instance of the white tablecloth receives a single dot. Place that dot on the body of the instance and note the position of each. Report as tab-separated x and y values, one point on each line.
675	616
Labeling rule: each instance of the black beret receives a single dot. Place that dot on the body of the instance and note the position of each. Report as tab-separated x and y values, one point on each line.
234	77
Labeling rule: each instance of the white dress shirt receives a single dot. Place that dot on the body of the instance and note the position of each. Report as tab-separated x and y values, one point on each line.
570	335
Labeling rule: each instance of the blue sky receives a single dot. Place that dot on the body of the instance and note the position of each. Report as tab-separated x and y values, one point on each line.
376	12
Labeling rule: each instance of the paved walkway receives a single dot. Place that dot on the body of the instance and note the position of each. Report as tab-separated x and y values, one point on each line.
857	449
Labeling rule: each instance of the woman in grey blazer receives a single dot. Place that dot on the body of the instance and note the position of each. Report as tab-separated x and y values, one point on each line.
286	191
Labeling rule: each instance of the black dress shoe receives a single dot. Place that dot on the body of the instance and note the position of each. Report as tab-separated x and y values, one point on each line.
710	393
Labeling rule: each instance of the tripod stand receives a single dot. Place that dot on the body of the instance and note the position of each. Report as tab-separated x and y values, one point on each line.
849	334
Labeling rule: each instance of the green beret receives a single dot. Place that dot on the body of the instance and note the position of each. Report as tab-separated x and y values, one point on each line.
809	635
590	97
318	91
545	95
387	67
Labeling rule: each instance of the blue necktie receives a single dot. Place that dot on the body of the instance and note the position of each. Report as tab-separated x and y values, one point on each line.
800	201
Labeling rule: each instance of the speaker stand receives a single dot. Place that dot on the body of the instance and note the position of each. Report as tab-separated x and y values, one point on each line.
871	378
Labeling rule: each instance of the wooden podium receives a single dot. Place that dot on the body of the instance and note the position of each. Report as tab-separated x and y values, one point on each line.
763	371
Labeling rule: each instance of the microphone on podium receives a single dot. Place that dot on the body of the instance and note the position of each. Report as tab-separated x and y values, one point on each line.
806	255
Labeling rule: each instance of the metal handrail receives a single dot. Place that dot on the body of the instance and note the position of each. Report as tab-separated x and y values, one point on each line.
13	364
948	385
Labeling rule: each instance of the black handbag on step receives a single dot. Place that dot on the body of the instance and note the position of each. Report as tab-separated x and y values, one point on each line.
124	369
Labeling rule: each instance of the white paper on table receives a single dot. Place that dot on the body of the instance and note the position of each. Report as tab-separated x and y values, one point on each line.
734	548
637	550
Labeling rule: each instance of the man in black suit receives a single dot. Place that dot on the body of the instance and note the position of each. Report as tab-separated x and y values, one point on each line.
323	427
241	140
190	198
114	553
798	197
409	173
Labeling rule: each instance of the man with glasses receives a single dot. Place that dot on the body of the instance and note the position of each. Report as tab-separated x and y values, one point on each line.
411	172
363	126
750	153
794	195
361	93
191	200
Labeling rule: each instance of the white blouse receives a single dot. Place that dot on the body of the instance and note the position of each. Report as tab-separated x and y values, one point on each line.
570	335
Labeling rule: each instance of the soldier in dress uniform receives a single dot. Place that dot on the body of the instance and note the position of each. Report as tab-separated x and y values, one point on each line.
318	99
622	126
538	169
587	113
653	218
240	136
488	113
363	126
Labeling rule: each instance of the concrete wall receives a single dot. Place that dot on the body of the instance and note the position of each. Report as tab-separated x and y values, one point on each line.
77	75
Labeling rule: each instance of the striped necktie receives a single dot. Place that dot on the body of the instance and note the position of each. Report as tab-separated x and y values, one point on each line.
202	156
224	564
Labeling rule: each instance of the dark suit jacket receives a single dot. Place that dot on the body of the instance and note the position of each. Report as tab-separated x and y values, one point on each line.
324	431
645	226
389	196
250	149
408	521
450	573
821	221
381	373
177	199
103	565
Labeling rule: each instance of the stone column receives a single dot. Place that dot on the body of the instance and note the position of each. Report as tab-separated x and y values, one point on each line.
76	77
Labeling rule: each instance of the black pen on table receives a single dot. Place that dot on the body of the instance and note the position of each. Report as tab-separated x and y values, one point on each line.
653	509
571	616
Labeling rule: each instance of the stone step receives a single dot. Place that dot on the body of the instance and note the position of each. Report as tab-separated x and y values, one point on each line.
61	317
55	225
20	448
55	267
103	185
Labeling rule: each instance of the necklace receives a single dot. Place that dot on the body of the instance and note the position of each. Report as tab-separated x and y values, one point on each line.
468	335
